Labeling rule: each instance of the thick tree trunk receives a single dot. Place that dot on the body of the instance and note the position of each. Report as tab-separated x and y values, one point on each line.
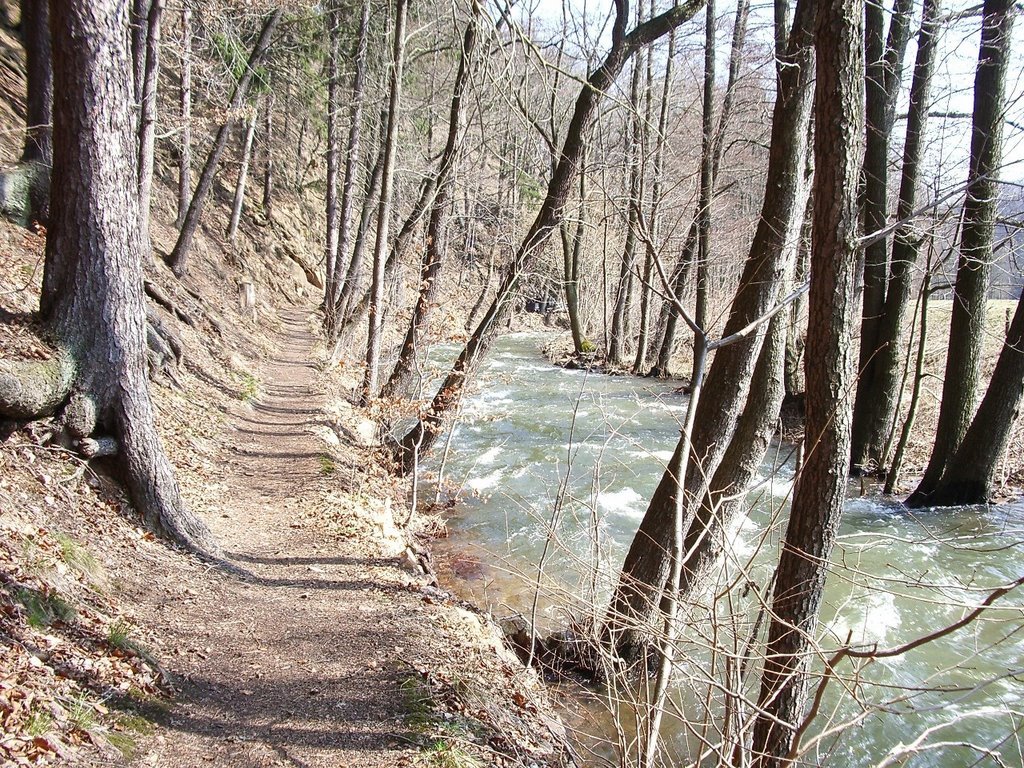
875	411
243	176
433	256
25	188
884	69
376	307
147	120
821	485
623	46
185	114
335	281
92	282
970	474
178	258
634	605
970	294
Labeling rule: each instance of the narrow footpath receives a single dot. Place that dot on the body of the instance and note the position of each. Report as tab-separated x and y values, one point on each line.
296	660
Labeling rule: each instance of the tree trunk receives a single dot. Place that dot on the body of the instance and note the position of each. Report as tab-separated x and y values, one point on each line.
376	307
884	69
346	306
572	247
969	475
623	304
644	345
147	120
139	21
332	297
92	283
421	437
25	188
331	251
243	175
878	409
821	485
792	374
179	256
967	325
634	604
706	191
668	321
268	155
433	256
185	113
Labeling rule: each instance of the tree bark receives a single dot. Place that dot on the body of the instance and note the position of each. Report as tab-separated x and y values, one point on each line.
92	280
821	485
333	212
185	113
970	474
25	188
147	120
624	45
884	68
178	258
879	407
243	176
967	325
333	290
376	307
634	605
433	256
706	191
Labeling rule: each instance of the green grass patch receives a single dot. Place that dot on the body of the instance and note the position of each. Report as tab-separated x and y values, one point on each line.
248	387
327	465
79	558
44	609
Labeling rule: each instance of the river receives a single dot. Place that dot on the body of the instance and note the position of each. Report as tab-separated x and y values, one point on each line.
553	469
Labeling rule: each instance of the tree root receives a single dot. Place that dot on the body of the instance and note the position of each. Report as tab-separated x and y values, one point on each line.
31	389
24	192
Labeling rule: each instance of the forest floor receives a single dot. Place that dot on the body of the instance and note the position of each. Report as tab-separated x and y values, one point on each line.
321	643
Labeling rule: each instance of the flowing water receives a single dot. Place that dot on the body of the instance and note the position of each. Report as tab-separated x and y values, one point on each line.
554	468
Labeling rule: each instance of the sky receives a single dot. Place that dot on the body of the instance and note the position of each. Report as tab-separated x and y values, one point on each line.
952	90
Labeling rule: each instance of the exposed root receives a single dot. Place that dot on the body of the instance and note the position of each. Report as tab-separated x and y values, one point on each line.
31	389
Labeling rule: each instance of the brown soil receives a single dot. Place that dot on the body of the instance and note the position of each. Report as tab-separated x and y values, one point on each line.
296	658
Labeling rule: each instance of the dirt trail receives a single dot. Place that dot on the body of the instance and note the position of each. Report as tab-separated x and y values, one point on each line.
292	662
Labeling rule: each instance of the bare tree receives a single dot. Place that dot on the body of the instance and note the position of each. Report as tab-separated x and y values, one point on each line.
821	486
970	294
433	255
178	258
623	46
147	118
376	305
872	420
334	284
634	606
